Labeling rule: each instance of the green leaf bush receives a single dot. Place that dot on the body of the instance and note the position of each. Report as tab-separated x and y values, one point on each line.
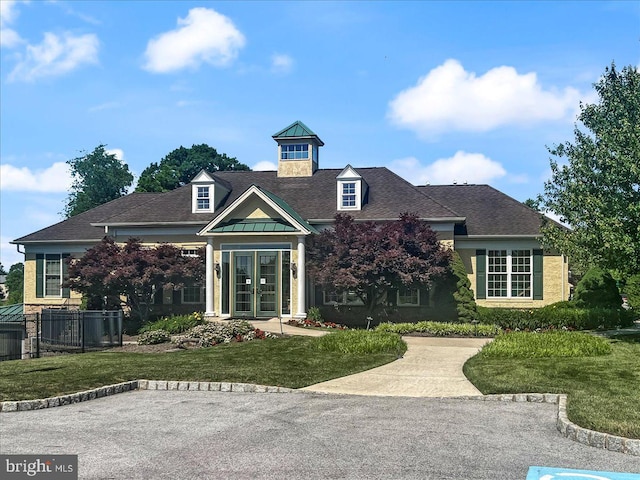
561	315
597	289
362	342
175	324
441	329
546	344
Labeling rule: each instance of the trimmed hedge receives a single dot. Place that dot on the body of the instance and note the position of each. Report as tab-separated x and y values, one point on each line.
441	329
557	315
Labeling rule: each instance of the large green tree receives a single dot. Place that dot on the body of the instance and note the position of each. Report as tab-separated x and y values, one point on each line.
181	165
98	177
595	183
15	284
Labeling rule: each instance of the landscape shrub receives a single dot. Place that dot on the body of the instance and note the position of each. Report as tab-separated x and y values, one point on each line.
597	289
214	333
441	329
362	342
557	315
153	337
632	290
546	344
314	314
175	324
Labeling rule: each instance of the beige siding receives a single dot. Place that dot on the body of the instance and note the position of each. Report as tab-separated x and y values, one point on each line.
295	168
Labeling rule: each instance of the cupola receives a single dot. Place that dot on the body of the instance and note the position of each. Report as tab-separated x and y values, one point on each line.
297	150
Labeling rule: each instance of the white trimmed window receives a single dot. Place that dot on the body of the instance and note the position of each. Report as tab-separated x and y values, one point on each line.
408	297
344	298
349	194
204	201
298	151
509	274
53	275
192	294
189	252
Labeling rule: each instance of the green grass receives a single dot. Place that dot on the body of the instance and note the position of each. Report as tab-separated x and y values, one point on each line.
290	362
547	344
603	391
441	329
363	342
174	324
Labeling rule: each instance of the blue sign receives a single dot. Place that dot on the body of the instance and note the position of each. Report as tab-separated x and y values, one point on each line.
546	473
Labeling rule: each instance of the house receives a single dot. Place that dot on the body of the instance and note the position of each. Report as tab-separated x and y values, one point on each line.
255	226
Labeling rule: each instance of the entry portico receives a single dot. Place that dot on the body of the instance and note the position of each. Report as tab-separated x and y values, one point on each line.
256	247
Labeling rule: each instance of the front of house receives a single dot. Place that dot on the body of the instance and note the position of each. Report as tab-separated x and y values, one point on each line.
255	227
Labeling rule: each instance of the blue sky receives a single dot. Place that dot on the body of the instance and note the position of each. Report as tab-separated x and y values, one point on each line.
437	91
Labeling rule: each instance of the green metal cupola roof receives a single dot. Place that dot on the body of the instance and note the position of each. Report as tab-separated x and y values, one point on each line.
297	130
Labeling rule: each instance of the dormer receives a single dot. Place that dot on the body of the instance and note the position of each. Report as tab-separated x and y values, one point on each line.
298	154
207	192
351	189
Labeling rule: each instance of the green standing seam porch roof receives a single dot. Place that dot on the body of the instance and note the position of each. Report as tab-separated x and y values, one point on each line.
253	226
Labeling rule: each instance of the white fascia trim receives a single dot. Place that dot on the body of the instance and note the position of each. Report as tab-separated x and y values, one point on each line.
238	201
361	220
498	237
146	224
66	242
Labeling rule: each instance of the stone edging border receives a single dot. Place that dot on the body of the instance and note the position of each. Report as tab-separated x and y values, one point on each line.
567	428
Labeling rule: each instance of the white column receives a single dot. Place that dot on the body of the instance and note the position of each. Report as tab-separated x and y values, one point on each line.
208	285
302	311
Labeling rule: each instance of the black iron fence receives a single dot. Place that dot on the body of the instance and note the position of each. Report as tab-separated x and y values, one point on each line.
24	336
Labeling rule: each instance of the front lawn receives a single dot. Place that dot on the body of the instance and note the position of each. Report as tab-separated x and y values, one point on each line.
603	391
290	362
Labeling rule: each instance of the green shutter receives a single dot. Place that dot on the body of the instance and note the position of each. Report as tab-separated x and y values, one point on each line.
537	274
481	274
177	297
66	292
40	275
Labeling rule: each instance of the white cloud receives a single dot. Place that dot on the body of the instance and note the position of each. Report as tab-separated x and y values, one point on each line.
8	253
463	167
9	38
281	63
449	98
204	36
56	178
56	55
264	166
118	152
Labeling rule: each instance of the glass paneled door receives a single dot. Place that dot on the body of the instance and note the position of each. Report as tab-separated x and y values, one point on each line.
256	290
267	286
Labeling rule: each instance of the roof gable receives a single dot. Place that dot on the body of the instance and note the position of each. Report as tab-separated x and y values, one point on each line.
289	220
349	173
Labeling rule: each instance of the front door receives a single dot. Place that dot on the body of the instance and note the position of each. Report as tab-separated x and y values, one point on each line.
255	284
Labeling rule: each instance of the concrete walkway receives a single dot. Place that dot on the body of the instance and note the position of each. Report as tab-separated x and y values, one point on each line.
431	367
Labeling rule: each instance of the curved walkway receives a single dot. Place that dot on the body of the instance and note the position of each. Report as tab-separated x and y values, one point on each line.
431	367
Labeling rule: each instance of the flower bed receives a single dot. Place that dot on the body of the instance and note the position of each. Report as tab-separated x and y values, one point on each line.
214	333
307	323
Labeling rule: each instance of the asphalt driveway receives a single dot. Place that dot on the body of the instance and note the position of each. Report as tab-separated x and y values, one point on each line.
194	435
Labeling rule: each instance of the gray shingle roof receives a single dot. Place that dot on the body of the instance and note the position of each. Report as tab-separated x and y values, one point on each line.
488	211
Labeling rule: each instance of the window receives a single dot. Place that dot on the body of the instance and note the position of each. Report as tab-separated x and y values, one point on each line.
348	195
203	200
509	273
408	297
53	275
294	152
192	294
189	252
344	298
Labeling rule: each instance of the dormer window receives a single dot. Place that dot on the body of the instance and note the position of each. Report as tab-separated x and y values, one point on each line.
207	191
204	200
348	195
297	151
352	189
